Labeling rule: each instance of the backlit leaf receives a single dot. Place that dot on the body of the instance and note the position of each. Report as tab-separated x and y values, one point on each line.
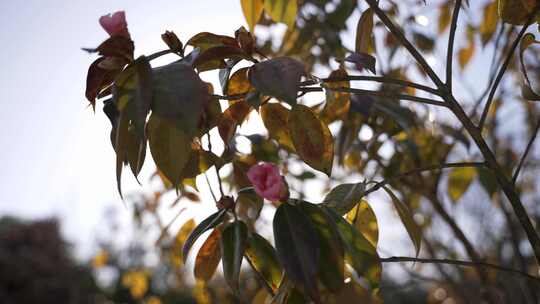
364	219
311	138
331	264
344	197
516	11
406	217
233	245
459	180
263	258
179	240
282	11
208	257
337	103
207	224
170	147
252	12
445	16
239	83
489	22
278	77
297	247
275	117
364	33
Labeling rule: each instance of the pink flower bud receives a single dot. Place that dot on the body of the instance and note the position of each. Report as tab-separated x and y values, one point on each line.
268	182
115	25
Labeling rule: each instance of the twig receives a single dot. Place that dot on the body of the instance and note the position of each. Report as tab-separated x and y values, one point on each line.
529	146
502	70
399	259
451	38
210	187
385	182
384	79
215	166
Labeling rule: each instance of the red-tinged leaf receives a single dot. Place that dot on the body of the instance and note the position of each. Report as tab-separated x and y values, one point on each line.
362	61
311	138
252	10
206	40
278	77
245	40
179	96
173	42
208	257
97	79
233	116
116	46
170	147
263	258
275	117
233	245
297	247
207	224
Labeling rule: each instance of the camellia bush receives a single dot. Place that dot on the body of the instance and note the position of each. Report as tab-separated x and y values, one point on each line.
431	136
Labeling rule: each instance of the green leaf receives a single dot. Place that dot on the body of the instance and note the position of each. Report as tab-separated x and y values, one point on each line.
297	247
331	265
143	93
208	257
459	180
180	96
252	10
275	117
360	253
209	223
487	180
263	258
278	77
311	138
405	214
282	11
363	218
233	245
344	197
170	147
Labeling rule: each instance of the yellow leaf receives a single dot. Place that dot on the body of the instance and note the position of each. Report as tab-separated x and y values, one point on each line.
444	17
364	219
179	240
137	282
274	117
466	53
208	257
364	33
459	180
311	138
489	22
152	300
282	11
252	12
337	103
100	259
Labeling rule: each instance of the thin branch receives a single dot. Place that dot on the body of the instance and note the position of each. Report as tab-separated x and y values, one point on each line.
385	182
394	29
527	149
502	70
217	169
398	259
210	187
451	39
384	79
380	94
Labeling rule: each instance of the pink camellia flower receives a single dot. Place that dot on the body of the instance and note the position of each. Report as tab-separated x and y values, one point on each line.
115	25
268	182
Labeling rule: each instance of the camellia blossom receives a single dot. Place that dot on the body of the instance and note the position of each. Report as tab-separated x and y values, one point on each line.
268	182
115	24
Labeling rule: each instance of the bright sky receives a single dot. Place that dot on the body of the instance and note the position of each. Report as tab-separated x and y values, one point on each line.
56	156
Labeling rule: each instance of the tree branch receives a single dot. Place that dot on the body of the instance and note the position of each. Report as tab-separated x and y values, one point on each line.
399	259
385	182
451	39
502	70
529	145
384	79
